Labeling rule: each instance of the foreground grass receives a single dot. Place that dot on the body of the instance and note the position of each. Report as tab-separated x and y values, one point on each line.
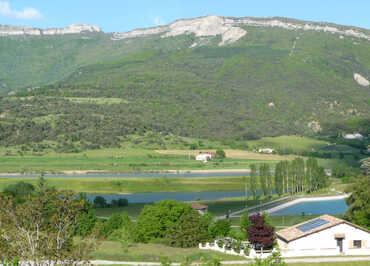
111	250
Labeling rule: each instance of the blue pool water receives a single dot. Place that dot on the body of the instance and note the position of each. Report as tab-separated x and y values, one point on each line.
315	207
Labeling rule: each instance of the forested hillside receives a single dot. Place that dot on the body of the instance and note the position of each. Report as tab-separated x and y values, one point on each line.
271	82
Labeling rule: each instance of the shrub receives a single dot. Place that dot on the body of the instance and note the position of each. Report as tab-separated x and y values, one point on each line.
115	222
155	220
220	229
86	222
100	202
189	231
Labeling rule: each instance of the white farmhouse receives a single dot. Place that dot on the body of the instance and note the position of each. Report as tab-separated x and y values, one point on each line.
324	236
353	136
266	150
204	157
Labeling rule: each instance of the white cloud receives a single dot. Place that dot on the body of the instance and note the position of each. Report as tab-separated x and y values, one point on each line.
26	13
159	21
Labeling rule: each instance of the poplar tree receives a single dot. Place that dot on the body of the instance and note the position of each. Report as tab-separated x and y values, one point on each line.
263	179
253	180
279	178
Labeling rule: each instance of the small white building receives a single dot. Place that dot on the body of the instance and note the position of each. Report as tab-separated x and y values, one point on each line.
353	136
324	236
266	150
204	157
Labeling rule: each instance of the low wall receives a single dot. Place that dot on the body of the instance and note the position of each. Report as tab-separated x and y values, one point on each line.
252	252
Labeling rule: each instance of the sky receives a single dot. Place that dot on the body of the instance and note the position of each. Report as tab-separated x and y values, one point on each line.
125	15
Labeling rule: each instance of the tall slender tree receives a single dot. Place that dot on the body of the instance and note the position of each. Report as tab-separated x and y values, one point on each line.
253	180
263	180
279	179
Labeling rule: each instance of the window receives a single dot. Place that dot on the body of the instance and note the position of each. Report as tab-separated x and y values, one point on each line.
357	243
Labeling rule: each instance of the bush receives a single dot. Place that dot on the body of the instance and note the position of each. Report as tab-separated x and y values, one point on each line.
86	223
220	154
100	202
220	229
155	220
121	202
189	231
116	221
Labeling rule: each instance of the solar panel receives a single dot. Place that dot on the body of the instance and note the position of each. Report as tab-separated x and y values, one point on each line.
312	225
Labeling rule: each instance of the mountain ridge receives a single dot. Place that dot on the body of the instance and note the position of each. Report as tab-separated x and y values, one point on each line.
8	30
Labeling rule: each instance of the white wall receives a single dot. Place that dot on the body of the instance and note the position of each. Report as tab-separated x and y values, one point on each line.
324	243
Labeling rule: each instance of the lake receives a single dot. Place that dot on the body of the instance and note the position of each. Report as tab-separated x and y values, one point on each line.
315	208
179	196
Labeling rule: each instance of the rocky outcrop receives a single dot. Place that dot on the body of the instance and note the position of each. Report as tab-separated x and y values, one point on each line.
200	27
230	28
72	29
361	80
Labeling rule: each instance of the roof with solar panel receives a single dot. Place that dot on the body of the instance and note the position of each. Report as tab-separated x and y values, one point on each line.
309	227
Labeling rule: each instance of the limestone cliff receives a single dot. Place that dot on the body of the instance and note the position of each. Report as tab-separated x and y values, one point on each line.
72	29
230	28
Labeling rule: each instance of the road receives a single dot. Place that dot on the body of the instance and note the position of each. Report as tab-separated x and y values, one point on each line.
288	260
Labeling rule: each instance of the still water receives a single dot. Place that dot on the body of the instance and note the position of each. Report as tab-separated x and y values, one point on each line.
315	207
179	196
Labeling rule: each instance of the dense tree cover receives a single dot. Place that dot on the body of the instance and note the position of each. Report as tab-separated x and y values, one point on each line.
204	92
359	203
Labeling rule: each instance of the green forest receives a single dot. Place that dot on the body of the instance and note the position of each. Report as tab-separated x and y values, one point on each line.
100	92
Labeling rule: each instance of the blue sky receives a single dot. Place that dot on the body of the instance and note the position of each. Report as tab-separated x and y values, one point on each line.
125	15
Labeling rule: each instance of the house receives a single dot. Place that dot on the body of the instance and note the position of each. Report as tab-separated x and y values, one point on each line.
353	136
202	209
266	150
324	236
204	156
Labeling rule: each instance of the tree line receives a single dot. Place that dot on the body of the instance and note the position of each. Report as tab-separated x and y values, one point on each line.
288	177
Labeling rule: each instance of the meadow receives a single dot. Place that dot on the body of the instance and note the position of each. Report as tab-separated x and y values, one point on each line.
116	160
136	185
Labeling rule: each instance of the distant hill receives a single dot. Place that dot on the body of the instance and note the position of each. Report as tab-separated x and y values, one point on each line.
208	77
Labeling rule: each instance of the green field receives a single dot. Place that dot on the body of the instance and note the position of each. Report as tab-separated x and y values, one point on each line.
115	160
111	250
137	185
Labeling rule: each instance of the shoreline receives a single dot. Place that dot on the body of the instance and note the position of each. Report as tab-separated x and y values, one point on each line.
87	172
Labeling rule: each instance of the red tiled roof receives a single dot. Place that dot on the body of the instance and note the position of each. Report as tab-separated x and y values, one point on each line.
197	206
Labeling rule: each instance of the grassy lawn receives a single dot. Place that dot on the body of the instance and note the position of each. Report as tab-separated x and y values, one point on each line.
111	250
118	160
108	185
234	154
